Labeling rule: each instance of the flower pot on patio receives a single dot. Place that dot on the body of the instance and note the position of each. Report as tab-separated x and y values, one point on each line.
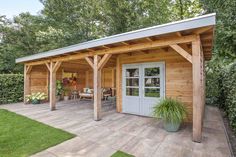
171	127
66	98
172	112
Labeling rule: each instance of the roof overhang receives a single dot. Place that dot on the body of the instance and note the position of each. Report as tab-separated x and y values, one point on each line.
183	25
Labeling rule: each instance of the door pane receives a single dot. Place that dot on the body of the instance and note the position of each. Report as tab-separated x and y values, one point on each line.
152	92
132	72
152	71
152	82
132	91
132	82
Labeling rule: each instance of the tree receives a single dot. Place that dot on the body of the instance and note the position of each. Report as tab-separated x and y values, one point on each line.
225	40
126	15
182	9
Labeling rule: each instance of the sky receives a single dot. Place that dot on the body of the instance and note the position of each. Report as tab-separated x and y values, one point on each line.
11	8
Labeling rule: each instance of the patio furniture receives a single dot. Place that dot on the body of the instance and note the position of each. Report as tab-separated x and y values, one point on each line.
74	95
106	92
86	94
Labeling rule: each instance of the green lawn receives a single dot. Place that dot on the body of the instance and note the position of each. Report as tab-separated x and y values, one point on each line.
21	136
121	154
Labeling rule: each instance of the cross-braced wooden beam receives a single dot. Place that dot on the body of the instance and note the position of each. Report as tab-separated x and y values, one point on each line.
182	52
97	64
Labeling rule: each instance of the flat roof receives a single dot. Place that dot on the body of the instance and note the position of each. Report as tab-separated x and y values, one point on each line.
187	24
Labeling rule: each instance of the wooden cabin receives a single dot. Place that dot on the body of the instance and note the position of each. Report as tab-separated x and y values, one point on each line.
141	67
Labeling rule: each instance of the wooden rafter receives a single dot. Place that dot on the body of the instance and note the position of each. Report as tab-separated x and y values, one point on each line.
182	52
202	30
125	43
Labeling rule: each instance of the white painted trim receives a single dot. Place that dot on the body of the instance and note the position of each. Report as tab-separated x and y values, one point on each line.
141	67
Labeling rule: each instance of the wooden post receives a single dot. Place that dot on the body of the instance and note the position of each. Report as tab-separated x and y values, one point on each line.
53	67
118	84
27	69
113	81
52	88
97	88
198	102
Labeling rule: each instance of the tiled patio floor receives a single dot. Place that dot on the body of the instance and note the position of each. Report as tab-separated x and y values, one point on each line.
140	136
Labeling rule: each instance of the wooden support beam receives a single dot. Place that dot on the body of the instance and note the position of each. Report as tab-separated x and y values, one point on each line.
113	81
198	102
118	84
97	88
105	46
149	39
125	43
182	52
202	30
56	66
47	65
27	70
104	60
90	61
53	67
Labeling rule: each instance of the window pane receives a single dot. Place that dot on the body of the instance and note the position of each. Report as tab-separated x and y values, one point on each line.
152	82
152	71
152	92
132	72
132	82
132	91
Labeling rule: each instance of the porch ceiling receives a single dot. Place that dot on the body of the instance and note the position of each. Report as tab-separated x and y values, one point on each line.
135	41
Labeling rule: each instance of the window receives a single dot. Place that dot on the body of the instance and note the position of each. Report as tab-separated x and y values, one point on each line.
152	82
132	82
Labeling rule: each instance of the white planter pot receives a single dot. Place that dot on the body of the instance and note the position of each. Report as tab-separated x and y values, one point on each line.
66	98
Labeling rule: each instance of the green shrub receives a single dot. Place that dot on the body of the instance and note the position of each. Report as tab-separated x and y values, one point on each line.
11	88
229	93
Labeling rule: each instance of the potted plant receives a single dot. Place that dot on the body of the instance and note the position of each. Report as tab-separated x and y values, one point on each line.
66	93
36	98
172	112
59	90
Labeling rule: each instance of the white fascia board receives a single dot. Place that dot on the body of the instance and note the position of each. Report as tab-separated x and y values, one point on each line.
192	23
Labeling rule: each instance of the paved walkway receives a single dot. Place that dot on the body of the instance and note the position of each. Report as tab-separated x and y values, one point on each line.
140	136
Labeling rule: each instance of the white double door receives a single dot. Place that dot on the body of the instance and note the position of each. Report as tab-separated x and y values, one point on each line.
143	86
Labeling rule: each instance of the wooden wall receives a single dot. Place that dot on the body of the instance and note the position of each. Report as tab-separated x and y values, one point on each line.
178	74
108	78
39	78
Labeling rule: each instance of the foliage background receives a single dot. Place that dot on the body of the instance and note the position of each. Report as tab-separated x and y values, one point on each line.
11	88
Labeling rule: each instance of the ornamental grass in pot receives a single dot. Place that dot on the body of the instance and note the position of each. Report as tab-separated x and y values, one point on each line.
172	112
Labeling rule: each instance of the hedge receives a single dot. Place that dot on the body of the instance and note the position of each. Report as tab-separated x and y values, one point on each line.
229	94
221	91
11	88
